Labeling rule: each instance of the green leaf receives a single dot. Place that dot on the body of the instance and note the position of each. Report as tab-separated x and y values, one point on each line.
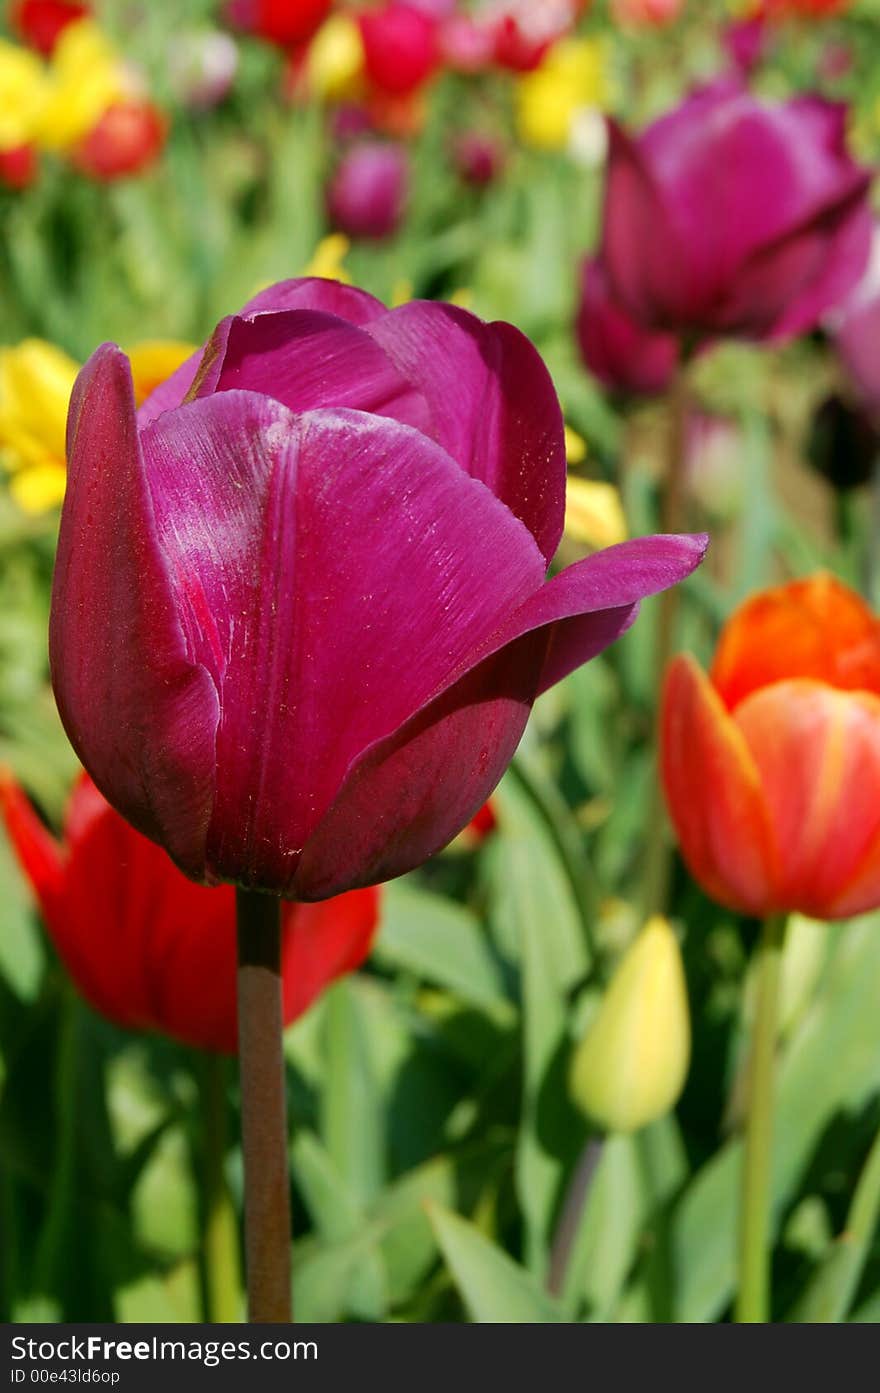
440	942
351	1103
829	1067
494	1289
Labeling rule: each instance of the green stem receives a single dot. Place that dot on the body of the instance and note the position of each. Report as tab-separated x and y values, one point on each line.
263	1109
753	1300
673	518
50	1258
222	1275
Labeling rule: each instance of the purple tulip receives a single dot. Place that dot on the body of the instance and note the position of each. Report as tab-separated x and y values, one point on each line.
616	349
731	216
300	612
367	194
856	332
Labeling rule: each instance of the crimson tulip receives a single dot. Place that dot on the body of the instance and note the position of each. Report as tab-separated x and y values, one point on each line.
150	949
283	22
299	612
760	253
771	765
127	138
19	166
400	47
616	348
40	23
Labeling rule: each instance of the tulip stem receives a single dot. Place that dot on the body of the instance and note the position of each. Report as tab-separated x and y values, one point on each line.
753	1300
673	517
570	1221
263	1108
222	1274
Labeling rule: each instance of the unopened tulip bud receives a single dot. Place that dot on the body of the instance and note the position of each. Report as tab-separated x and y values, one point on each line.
631	1065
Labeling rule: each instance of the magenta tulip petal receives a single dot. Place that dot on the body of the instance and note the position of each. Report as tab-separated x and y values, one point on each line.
113	595
307	359
616	348
756	212
493	405
838	242
649	274
315	293
310	554
414	791
445	761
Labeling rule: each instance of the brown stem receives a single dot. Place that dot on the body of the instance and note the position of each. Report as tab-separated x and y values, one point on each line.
570	1220
263	1109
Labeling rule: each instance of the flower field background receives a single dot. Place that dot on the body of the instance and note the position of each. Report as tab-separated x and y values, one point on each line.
518	1077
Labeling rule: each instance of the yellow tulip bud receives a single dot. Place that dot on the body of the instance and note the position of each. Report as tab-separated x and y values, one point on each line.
631	1065
154	360
36	379
594	513
336	58
23	91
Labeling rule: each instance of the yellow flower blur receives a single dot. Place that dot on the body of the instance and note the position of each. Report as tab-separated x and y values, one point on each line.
36	380
594	513
35	384
572	78
632	1063
335	60
23	91
86	75
329	255
154	360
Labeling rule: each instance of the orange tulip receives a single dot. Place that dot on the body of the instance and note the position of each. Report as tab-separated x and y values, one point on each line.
771	765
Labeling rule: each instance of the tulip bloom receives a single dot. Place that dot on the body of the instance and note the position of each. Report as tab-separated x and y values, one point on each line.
771	765
283	22
400	47
148	948
761	253
42	22
616	348
367	195
299	612
649	14
127	139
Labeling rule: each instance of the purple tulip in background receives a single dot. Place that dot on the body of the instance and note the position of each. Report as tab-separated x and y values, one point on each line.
732	216
367	195
478	158
614	347
300	612
856	332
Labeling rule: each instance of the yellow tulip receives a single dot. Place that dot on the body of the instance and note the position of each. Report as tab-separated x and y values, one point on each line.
572	78
329	255
575	446
35	384
154	360
632	1063
335	60
23	91
594	513
86	75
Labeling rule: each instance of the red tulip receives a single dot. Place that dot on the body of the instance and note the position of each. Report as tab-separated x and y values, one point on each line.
40	23
126	140
283	22
18	167
150	949
400	47
771	765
